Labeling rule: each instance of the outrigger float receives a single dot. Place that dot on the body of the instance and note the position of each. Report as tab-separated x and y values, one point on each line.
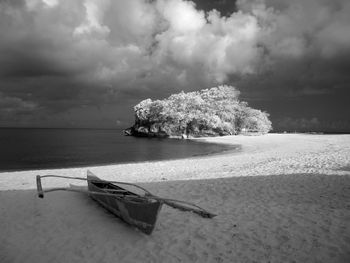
137	210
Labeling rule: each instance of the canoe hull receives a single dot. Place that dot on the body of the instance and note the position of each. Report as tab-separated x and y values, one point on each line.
140	213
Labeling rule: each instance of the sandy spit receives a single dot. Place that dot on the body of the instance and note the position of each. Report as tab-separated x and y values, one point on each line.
282	198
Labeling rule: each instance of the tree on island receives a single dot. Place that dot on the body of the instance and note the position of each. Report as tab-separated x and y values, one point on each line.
209	112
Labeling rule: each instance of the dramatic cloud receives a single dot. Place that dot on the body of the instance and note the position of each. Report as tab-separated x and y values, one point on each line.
306	43
67	56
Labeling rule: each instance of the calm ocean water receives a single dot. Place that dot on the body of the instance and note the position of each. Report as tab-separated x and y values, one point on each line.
25	149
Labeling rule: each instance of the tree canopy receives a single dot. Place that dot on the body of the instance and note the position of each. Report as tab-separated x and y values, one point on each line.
209	112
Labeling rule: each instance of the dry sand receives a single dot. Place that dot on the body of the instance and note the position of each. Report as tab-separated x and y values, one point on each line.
282	198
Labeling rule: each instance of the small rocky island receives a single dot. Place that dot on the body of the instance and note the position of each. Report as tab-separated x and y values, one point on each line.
210	112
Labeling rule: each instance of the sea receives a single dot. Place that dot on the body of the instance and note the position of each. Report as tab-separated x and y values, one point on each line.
36	148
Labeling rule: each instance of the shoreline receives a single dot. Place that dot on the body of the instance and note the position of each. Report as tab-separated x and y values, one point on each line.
264	149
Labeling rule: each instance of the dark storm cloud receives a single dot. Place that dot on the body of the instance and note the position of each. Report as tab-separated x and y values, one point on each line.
59	59
225	7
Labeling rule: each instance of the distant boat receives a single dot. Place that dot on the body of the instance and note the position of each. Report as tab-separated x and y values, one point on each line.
137	210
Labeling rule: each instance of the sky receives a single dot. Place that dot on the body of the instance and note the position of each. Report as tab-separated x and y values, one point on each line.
87	63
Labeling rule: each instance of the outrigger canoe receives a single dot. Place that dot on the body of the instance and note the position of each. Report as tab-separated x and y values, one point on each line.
130	207
140	211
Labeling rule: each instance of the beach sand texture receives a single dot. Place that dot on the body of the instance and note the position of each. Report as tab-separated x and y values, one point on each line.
282	198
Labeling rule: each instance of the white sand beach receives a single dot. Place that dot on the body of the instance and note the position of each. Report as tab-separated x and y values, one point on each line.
281	198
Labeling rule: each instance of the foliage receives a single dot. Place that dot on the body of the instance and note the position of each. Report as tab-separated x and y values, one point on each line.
209	112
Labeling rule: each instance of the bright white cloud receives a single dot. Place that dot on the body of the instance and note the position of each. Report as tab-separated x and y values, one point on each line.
181	15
